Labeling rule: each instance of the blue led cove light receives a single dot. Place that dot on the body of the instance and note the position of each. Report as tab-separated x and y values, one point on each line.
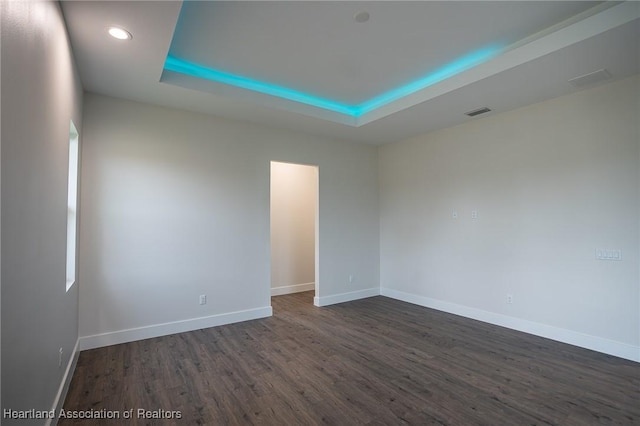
461	64
189	68
456	67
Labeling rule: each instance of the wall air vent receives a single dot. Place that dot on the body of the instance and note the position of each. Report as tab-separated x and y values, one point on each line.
477	111
591	78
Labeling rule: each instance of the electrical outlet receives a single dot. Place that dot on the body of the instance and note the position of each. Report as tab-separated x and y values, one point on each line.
203	299
350	279
474	214
454	214
509	298
60	353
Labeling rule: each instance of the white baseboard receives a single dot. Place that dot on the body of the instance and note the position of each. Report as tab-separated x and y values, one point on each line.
599	344
157	330
64	385
288	289
345	297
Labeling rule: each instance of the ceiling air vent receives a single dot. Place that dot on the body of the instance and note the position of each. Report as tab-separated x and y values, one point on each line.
592	77
477	111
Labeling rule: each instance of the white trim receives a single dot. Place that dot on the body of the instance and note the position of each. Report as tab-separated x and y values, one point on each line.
288	289
345	297
64	385
156	330
587	341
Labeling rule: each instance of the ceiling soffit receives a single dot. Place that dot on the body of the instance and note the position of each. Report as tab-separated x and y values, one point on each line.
261	74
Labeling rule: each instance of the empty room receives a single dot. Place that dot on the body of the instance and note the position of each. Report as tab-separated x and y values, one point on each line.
319	212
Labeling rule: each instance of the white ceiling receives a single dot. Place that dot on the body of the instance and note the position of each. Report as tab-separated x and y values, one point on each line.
318	48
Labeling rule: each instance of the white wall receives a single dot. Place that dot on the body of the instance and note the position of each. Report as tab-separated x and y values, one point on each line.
551	182
176	204
294	194
40	94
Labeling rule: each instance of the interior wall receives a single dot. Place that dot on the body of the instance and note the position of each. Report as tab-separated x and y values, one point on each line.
551	183
176	204
41	92
294	194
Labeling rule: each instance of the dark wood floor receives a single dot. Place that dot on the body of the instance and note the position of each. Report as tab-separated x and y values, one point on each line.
375	361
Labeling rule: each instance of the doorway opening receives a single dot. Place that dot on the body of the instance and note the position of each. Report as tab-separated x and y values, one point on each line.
294	202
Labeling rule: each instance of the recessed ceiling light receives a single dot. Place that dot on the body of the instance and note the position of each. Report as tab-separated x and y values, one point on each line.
362	16
119	33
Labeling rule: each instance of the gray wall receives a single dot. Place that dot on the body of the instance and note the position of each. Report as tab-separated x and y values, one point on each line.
40	94
176	204
552	183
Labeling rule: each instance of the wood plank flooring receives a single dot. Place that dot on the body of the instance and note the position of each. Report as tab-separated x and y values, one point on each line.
375	361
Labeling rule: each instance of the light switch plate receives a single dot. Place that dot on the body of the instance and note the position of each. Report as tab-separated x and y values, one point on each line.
608	254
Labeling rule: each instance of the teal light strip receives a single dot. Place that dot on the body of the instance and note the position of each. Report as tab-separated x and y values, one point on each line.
462	64
453	68
195	70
